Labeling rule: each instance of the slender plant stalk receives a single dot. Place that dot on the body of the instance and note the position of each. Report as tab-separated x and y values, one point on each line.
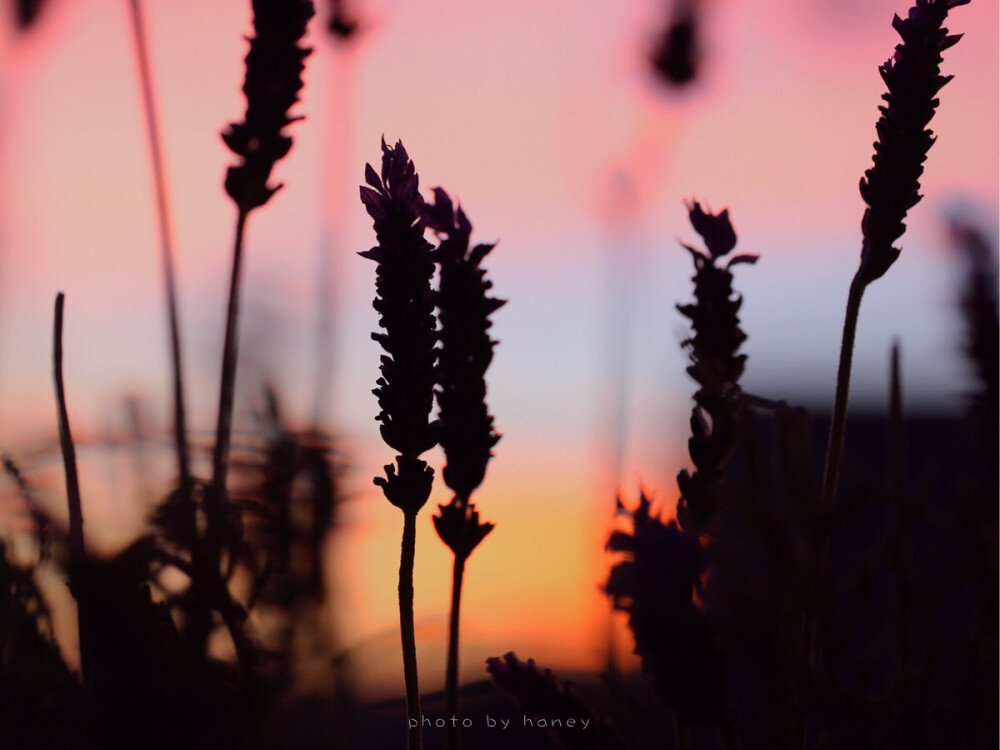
838	423
451	672
78	561
230	352
407	555
834	454
207	564
167	258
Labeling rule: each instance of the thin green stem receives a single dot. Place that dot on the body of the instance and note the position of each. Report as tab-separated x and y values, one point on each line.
451	672
838	424
167	259
407	555
78	561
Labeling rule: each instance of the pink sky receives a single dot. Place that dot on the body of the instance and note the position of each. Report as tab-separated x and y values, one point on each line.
531	113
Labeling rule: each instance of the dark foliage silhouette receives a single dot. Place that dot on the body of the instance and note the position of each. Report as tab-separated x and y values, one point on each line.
655	584
40	699
540	695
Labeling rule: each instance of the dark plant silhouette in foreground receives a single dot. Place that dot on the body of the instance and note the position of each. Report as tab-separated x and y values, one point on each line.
405	390
766	615
660	577
543	698
465	427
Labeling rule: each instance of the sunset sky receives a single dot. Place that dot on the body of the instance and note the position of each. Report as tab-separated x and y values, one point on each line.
544	121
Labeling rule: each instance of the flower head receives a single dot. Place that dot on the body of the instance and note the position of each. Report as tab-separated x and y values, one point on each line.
465	428
459	527
273	80
913	77
405	304
715	365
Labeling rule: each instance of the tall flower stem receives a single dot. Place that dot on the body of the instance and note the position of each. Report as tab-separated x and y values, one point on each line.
465	426
230	352
451	672
206	557
167	259
404	301
406	559
838	423
78	562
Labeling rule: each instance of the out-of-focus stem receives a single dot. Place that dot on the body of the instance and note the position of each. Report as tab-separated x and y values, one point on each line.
408	553
215	497
78	561
167	259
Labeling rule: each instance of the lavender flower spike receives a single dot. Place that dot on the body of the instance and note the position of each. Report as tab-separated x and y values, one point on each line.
913	77
273	80
405	303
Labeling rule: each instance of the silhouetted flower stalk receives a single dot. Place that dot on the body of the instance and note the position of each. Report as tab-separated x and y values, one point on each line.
273	80
716	367
79	579
891	185
465	427
540	695
167	259
658	580
405	390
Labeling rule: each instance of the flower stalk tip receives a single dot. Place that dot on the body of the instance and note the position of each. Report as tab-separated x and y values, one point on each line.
716	366
274	67
405	303
891	186
465	427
